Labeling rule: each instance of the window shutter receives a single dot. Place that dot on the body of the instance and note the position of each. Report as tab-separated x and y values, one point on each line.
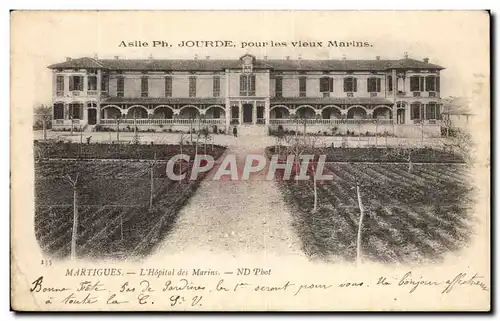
354	84
379	84
422	80
428	111
437	84
71	84
330	84
252	82
389	83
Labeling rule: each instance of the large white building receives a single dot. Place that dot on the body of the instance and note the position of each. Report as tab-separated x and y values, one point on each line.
393	95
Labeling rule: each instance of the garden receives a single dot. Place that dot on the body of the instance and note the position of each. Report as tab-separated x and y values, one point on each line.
124	207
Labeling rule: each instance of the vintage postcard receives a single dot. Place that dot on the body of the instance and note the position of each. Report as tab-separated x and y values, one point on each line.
250	161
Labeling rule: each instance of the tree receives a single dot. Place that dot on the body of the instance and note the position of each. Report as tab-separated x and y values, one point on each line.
43	115
461	144
404	151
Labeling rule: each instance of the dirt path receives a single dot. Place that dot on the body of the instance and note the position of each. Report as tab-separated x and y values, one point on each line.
235	217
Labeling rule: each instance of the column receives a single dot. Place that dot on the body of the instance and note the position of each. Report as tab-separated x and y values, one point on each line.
98	113
99	77
240	113
227	111
254	113
85	84
66	84
394	92
267	111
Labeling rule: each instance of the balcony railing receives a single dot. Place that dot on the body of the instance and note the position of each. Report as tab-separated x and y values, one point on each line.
333	121
178	121
91	92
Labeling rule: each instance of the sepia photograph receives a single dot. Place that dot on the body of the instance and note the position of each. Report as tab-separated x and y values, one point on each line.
257	167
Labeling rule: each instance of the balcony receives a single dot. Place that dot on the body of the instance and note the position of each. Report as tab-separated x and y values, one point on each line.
92	93
373	94
416	94
350	94
432	94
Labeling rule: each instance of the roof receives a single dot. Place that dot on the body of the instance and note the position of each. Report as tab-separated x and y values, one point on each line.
222	64
166	101
334	101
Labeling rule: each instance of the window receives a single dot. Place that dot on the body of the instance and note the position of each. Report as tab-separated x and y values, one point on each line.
75	83
104	83
279	87
60	85
430	83
416	83
216	112
247	85
350	84
373	85
278	113
432	111
76	111
144	87
389	83
168	86
302	86
216	86
415	111
192	86
120	86
59	111
92	83
326	84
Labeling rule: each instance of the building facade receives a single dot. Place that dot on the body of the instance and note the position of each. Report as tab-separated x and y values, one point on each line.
359	95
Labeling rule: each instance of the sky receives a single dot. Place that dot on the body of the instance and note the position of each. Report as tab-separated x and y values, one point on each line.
458	41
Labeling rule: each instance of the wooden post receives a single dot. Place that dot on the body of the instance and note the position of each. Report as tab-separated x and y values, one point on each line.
74	234
44	128
117	129
360	224
152	184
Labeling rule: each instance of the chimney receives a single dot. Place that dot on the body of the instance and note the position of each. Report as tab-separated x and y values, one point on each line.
287	57
195	56
377	57
406	55
68	58
426	60
265	57
96	57
208	57
117	57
